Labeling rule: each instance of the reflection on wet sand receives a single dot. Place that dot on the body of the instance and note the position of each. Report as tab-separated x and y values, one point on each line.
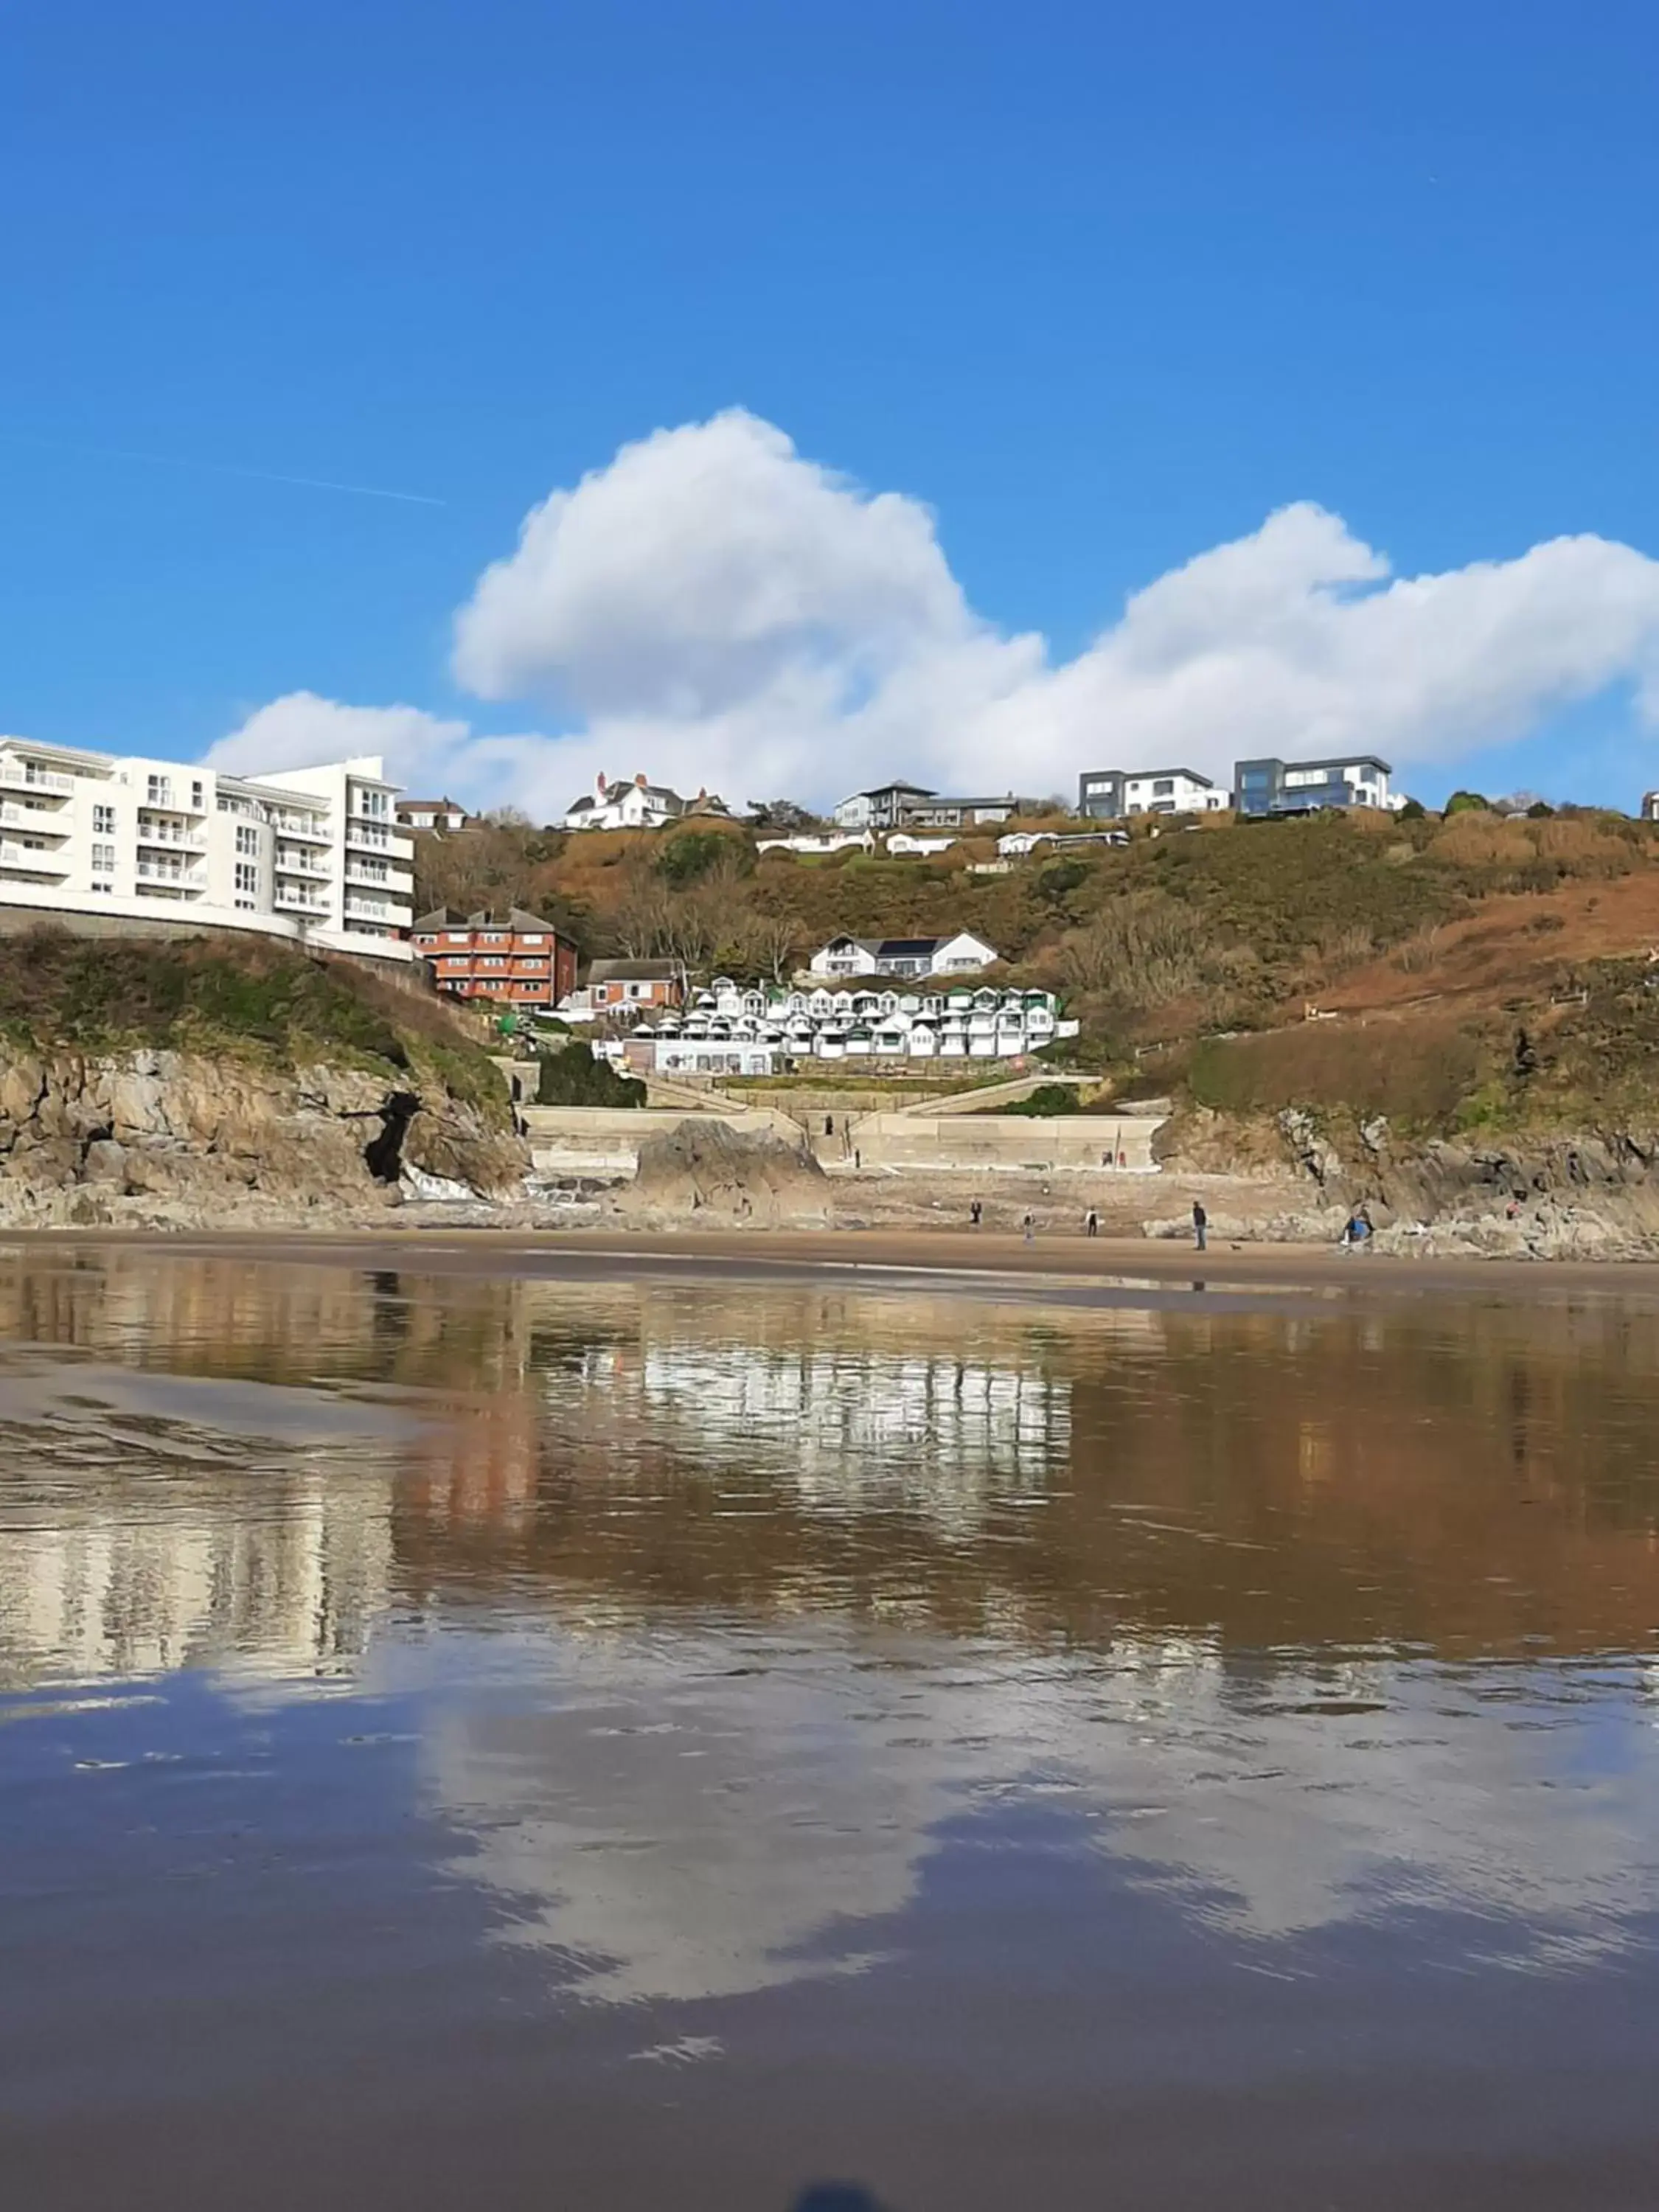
1302	1618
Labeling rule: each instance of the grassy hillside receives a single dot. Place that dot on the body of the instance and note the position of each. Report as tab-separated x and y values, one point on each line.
256	1000
1193	955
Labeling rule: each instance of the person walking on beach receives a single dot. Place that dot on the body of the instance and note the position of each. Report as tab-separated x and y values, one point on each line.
1029	1224
1091	1223
975	1214
1201	1224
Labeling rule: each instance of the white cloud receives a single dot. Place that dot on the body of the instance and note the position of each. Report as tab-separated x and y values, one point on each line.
301	730
716	609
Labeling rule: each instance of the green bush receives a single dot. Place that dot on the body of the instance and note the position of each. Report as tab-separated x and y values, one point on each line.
1047	1100
574	1077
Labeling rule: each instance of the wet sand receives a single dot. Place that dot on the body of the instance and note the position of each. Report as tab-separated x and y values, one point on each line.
630	1723
947	1258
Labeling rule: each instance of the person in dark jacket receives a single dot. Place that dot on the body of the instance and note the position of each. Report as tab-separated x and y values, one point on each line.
1200	1223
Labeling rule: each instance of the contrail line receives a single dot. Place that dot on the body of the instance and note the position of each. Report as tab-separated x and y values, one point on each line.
218	468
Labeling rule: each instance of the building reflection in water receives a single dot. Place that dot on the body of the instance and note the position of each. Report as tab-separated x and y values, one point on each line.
1298	1619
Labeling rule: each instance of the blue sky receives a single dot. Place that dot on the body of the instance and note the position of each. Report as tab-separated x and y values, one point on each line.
1101	287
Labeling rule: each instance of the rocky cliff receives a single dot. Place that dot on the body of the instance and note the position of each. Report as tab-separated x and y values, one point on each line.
164	1138
1591	1194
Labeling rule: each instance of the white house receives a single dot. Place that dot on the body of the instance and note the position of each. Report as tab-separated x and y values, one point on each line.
1114	793
1019	842
961	955
827	841
311	855
432	814
639	804
904	844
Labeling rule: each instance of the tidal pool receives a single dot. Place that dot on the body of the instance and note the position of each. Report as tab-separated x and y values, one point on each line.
467	1739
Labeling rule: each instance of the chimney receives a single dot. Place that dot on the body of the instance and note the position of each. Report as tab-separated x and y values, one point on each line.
639	778
598	780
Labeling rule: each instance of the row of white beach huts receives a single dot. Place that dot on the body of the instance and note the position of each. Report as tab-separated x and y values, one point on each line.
725	1029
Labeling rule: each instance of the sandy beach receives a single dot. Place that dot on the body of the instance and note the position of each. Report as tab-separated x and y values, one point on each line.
957	1259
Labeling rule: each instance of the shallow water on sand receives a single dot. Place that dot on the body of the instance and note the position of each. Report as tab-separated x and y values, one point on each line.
617	1744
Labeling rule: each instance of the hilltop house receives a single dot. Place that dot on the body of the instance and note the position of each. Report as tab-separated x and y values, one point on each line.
432	814
963	954
1111	794
1269	787
639	804
912	806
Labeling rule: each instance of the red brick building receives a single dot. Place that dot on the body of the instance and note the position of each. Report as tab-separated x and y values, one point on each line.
515	960
615	986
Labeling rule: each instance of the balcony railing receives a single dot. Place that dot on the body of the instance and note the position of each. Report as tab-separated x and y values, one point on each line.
313	827
36	779
293	901
169	834
308	865
30	861
156	872
37	819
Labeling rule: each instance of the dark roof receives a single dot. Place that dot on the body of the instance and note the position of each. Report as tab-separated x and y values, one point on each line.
516	919
430	806
877	790
636	971
906	948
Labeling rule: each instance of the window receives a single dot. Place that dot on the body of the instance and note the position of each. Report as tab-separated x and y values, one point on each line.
247	876
530	940
158	790
247	839
373	805
196	793
103	821
103	858
1164	788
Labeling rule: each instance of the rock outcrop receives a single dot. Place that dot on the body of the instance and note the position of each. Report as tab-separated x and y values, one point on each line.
173	1138
707	1175
1568	1195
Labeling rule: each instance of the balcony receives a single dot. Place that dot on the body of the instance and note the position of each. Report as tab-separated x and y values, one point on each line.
313	828
162	872
376	837
287	899
359	870
308	866
31	860
395	913
169	834
42	821
36	779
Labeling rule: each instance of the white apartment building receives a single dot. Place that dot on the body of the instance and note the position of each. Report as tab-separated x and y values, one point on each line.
311	854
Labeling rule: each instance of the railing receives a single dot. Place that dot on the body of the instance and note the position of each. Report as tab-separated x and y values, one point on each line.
153	871
312	870
313	826
30	817
24	779
300	902
31	860
167	833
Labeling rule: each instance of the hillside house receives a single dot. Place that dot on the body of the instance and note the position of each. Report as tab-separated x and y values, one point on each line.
1113	794
1265	788
513	960
963	954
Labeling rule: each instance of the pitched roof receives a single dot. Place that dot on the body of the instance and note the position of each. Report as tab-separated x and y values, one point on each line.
637	971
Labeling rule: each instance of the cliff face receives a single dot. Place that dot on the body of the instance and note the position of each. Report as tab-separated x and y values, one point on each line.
178	1138
1557	1194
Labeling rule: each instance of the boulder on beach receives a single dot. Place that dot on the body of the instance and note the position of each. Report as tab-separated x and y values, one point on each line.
705	1174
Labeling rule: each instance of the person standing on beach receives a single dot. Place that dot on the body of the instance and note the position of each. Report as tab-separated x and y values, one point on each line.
975	1213
1200	1223
1029	1225
1091	1223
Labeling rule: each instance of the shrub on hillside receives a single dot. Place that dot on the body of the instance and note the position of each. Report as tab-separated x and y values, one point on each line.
574	1077
1416	1073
